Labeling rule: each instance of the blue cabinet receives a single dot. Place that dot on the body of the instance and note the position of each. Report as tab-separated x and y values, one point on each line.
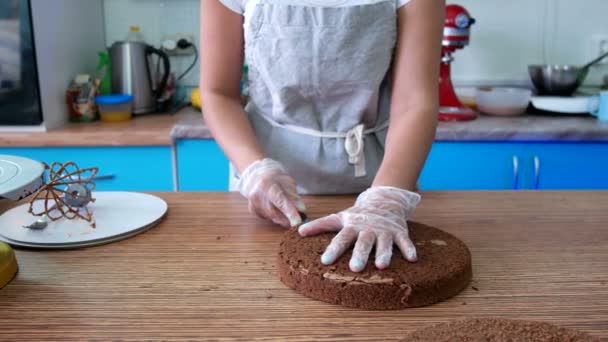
483	165
516	165
569	166
466	166
201	166
146	168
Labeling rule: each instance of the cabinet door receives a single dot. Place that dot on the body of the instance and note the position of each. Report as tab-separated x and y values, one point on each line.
568	166
473	166
128	168
201	166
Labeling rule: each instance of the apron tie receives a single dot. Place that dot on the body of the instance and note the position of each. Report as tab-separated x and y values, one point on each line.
353	144
353	139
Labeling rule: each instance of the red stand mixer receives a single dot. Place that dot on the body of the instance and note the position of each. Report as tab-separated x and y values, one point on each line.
456	33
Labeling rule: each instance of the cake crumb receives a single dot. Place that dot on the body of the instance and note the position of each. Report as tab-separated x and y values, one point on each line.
269	296
464	303
218	238
474	288
246	262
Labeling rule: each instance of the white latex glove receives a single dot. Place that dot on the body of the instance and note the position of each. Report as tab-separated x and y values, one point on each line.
272	193
379	217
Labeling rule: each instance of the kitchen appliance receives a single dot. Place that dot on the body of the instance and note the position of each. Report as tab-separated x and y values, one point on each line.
132	75
43	44
456	33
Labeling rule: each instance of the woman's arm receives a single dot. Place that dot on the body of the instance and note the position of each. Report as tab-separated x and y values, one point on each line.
221	70
415	93
265	183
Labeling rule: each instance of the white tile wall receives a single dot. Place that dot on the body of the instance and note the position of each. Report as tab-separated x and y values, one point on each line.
157	19
507	37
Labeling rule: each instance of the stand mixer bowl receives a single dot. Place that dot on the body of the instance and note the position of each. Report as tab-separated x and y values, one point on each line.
557	80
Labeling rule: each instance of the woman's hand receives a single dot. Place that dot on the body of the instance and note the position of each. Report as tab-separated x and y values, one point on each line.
272	193
379	217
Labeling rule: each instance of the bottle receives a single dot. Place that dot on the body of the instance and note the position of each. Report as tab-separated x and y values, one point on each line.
135	35
105	74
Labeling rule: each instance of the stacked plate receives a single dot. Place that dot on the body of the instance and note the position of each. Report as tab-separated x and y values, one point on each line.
117	216
19	177
566	105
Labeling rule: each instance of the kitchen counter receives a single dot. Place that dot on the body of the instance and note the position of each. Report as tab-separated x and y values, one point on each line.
208	272
485	128
149	130
162	130
525	128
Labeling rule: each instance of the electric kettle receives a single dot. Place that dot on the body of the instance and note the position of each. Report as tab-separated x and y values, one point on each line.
131	74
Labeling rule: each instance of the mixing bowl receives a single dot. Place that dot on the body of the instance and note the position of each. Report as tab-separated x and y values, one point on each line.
557	80
503	101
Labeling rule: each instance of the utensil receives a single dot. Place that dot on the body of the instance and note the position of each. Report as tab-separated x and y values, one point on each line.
131	74
595	61
503	101
560	80
41	222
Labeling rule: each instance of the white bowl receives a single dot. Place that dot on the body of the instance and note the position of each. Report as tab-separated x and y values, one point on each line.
503	101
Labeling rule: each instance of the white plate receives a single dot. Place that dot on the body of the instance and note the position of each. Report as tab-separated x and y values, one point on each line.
568	105
19	177
118	215
80	245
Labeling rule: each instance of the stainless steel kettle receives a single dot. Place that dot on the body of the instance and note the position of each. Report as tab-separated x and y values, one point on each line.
131	74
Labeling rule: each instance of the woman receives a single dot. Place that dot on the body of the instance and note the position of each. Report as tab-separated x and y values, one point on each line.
325	77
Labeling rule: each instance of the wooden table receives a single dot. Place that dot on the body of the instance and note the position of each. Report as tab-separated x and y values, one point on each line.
208	272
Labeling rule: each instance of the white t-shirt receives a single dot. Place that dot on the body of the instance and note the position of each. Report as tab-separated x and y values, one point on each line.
241	6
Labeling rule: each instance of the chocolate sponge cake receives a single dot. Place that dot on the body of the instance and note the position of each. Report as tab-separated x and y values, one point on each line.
442	271
497	330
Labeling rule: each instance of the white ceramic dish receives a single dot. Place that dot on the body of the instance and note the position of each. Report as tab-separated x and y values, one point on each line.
503	101
118	215
567	105
81	244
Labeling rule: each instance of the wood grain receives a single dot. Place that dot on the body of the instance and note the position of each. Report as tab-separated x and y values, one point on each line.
150	130
208	273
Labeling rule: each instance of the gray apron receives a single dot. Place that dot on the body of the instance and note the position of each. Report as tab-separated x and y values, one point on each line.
319	97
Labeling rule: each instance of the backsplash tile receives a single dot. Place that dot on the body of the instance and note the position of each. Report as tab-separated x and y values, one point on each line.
504	41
